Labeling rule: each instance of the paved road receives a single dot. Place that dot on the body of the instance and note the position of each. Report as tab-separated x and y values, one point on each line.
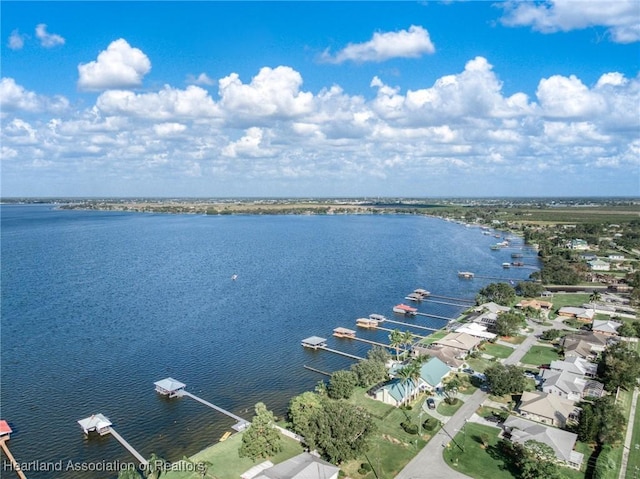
429	463
627	440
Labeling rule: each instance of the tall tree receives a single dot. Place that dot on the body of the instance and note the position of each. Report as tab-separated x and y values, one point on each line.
404	375
261	439
369	372
509	323
619	367
503	379
501	293
396	339
378	353
342	384
340	431
302	408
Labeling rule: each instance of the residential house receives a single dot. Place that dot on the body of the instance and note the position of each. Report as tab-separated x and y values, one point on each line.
562	442
581	314
535	304
396	391
575	365
302	466
474	329
615	257
462	342
585	345
492	308
447	355
570	386
606	327
599	265
432	373
579	245
547	408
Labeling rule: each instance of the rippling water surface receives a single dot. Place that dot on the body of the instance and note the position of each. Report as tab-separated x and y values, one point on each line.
96	306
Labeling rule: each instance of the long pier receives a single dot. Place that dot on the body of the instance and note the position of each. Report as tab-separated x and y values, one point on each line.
450	304
213	406
374	343
435	316
352	356
129	447
316	370
462	300
499	278
12	460
411	325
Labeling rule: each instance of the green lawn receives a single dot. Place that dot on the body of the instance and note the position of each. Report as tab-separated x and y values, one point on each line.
225	462
568	299
467	455
391	448
513	339
497	350
434	337
624	401
475	461
538	355
448	410
479	364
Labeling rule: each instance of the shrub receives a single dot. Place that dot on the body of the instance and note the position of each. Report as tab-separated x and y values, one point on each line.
430	424
409	428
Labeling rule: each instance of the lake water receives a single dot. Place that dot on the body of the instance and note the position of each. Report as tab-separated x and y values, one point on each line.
96	306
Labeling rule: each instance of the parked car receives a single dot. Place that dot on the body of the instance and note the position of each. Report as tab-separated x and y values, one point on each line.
431	404
468	371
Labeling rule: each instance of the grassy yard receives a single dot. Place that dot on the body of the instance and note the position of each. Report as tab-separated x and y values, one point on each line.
479	364
624	401
569	299
538	355
515	340
391	448
497	350
225	462
482	462
432	338
448	409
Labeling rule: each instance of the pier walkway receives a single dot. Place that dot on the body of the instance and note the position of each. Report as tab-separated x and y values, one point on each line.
465	305
129	448
14	464
213	406
435	316
352	356
411	325
375	343
461	300
391	331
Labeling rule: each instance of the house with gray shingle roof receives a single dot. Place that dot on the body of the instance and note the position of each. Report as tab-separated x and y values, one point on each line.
605	326
562	442
547	408
302	466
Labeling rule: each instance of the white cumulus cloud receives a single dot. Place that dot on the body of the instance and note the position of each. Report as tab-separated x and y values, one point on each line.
48	40
16	40
14	97
568	97
202	79
620	17
251	145
412	43
119	66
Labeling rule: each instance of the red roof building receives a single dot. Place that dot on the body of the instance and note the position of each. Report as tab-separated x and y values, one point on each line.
5	430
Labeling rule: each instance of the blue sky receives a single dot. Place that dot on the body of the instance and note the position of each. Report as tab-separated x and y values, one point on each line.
320	98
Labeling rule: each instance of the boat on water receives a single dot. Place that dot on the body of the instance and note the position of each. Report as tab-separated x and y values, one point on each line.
465	274
506	265
404	309
495	247
422	292
517	255
377	317
517	263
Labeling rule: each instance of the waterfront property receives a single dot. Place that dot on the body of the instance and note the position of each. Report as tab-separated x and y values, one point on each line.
462	342
447	355
562	442
302	466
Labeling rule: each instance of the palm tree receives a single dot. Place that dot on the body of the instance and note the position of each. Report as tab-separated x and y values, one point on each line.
407	339
396	338
405	376
415	372
594	298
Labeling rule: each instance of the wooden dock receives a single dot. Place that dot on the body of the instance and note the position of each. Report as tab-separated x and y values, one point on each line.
316	370
129	448
347	355
410	325
14	464
213	406
436	316
448	303
375	343
462	300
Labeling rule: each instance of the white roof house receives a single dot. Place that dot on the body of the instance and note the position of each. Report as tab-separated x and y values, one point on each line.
475	329
562	442
493	308
579	313
605	326
599	265
302	466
